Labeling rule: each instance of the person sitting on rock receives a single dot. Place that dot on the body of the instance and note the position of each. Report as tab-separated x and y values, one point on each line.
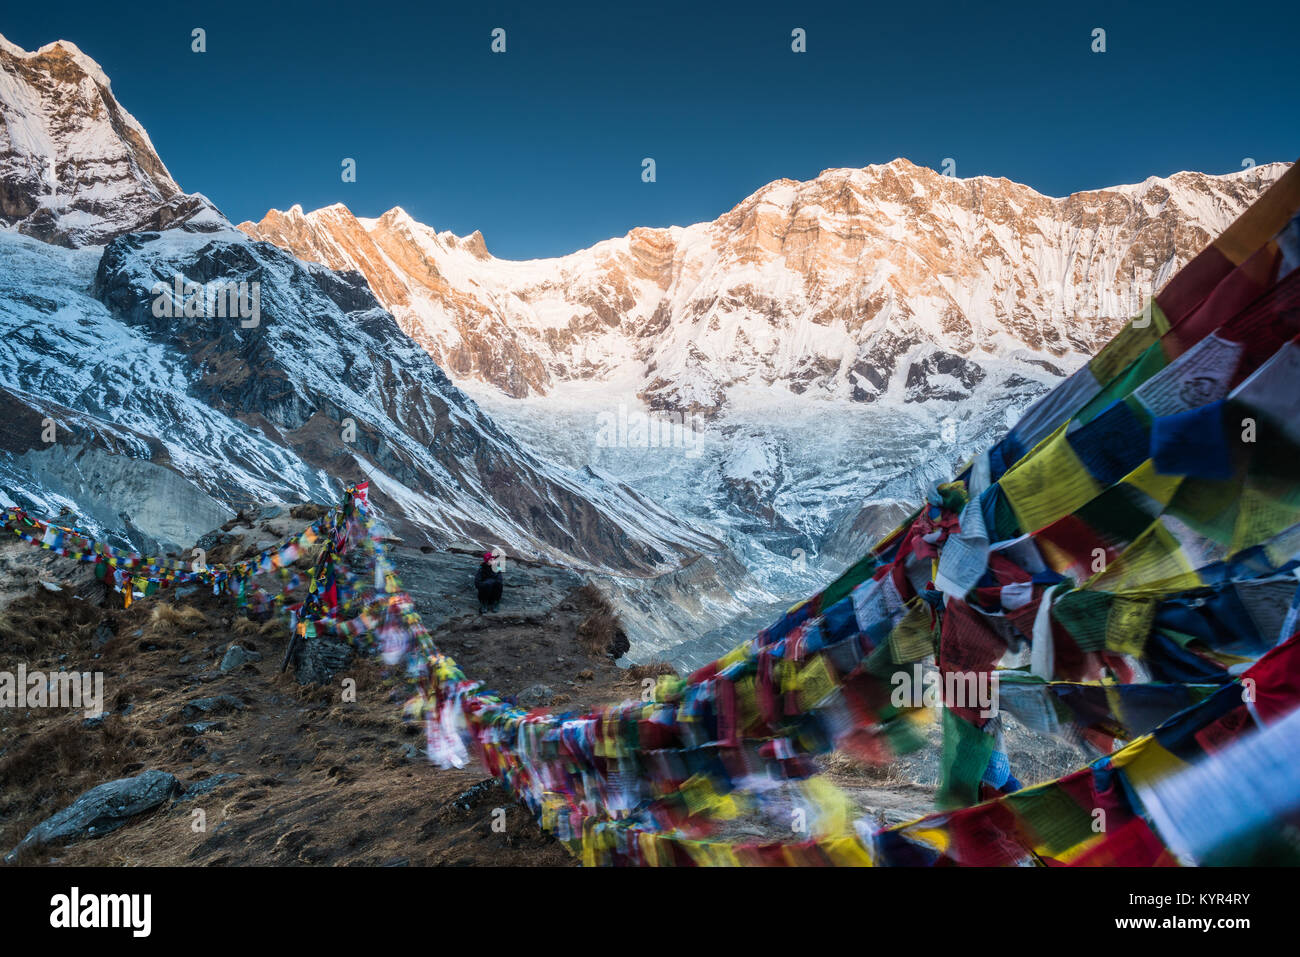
488	583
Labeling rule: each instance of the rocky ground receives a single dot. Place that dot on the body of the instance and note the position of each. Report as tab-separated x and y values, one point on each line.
232	761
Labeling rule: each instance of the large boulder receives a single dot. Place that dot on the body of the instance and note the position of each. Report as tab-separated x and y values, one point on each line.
318	659
102	809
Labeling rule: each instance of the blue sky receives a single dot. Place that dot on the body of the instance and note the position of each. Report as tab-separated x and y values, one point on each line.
541	147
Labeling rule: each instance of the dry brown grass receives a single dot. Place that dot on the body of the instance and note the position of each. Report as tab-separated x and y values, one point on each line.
600	631
45	623
43	763
184	617
651	669
597	632
245	628
879	775
15	639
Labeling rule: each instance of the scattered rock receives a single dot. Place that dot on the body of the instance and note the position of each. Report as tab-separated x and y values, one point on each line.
236	657
95	720
105	632
466	800
207	785
102	809
202	727
535	696
221	704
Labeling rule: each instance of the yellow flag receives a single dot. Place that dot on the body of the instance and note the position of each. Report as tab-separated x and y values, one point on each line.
815	682
1049	483
1154	561
1133	340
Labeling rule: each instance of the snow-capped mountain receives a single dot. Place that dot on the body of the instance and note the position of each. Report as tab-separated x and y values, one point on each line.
153	380
75	167
830	346
889	280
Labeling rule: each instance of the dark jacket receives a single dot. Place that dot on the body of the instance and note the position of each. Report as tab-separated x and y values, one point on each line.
488	582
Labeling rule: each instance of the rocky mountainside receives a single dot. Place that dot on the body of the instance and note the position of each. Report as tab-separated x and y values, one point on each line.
75	167
153	380
891	280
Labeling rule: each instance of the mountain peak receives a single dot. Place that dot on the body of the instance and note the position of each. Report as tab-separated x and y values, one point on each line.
75	167
396	215
73	52
473	244
476	244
